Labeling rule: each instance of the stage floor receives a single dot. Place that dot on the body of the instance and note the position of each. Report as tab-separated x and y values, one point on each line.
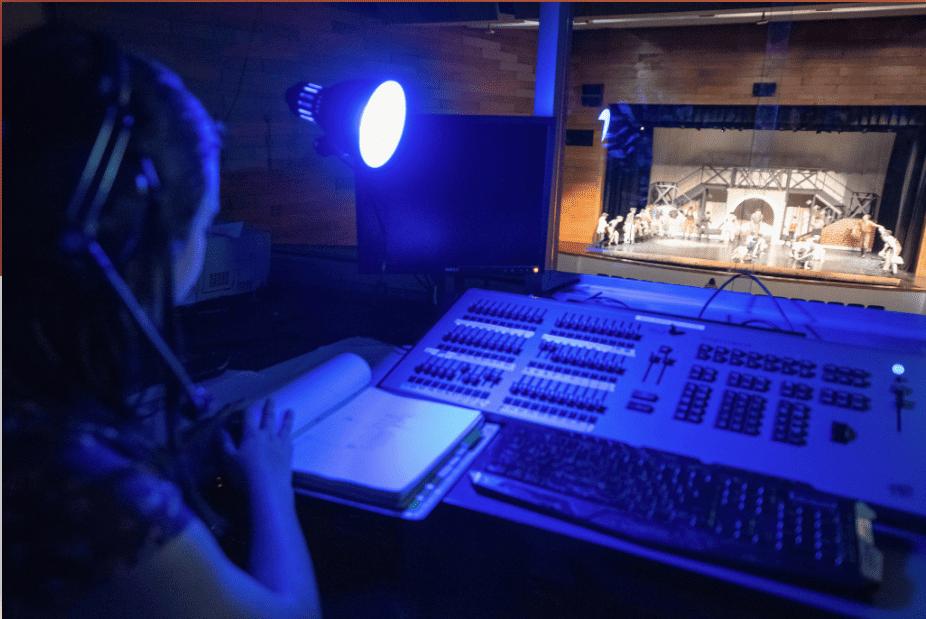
838	264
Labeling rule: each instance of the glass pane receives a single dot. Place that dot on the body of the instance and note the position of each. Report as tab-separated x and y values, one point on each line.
792	147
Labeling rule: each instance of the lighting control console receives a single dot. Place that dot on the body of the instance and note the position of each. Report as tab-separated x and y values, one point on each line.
840	416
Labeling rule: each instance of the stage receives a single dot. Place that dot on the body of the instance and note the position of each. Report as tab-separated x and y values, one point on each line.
838	264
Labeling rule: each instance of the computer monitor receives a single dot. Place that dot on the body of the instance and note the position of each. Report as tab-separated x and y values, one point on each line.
463	194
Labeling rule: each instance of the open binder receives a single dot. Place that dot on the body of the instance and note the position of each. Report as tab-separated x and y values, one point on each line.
353	440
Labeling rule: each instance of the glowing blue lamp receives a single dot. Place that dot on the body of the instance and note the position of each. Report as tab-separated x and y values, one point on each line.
605	117
361	118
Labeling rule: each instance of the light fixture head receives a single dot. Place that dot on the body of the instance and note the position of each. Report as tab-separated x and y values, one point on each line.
361	118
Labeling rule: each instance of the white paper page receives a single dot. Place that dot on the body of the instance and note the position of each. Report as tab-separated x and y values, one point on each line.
322	389
381	440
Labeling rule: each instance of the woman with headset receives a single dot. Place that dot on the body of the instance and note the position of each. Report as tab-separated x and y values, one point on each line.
110	182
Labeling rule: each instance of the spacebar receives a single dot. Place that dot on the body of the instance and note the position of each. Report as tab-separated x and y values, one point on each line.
594	515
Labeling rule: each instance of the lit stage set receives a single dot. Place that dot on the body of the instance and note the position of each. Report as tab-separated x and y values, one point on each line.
838	264
820	195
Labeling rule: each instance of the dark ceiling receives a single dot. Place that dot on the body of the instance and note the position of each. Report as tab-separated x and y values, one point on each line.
437	12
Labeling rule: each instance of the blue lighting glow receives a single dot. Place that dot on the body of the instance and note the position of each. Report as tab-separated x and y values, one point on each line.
898	369
606	117
382	123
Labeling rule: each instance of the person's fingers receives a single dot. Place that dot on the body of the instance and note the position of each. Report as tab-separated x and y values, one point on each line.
252	417
228	444
266	420
286	428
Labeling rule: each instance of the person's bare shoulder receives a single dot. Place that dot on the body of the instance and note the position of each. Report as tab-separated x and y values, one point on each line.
190	576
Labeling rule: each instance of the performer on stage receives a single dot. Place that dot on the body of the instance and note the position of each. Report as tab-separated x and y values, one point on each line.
690	227
613	232
601	230
703	222
891	251
755	223
659	224
864	232
817	222
729	228
807	251
792	231
629	227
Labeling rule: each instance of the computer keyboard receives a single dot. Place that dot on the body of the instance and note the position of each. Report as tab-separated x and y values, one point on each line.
720	514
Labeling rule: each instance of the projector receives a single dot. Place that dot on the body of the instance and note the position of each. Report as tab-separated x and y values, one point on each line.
237	261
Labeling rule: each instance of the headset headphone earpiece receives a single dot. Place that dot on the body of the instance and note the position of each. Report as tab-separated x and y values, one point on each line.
100	170
82	217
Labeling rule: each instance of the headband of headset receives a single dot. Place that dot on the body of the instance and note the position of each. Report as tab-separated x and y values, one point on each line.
83	211
96	181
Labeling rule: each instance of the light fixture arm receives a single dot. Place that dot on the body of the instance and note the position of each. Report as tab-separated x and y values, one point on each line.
325	148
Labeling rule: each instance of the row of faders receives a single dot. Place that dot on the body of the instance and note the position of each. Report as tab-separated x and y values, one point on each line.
575	371
522	360
467	363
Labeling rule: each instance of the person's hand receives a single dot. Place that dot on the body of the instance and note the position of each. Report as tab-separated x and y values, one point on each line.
263	458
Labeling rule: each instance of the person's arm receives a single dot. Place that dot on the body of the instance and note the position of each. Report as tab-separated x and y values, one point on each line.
279	555
190	576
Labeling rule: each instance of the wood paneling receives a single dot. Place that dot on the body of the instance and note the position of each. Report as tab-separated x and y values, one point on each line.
843	62
239	58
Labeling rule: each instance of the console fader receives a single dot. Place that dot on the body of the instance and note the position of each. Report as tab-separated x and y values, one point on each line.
841	417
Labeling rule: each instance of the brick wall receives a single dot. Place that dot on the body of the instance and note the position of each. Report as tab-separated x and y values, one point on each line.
238	58
844	62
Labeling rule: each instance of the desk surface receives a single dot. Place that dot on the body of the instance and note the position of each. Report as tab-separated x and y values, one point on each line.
822	321
903	593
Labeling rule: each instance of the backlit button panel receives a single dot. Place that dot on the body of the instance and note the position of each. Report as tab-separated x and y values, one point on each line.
844	399
550	414
800	391
693	403
522	315
753	360
851	377
741	412
748	381
597	328
791	421
698	372
642	401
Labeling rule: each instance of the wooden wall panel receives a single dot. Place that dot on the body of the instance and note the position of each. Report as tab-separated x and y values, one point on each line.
238	58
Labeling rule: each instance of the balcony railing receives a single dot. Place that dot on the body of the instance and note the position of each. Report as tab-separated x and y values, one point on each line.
829	192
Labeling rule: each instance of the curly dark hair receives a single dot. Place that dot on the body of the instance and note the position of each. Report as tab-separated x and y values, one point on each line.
66	333
72	353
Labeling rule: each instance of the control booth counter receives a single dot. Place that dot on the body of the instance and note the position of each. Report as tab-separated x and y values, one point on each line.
664	450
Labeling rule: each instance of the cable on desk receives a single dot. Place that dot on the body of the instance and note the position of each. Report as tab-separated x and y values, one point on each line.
548	294
600	299
760	321
771	296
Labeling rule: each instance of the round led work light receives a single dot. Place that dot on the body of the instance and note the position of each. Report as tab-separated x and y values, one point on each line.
362	118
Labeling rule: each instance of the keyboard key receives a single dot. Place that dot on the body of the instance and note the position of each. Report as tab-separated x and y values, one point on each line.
754	522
